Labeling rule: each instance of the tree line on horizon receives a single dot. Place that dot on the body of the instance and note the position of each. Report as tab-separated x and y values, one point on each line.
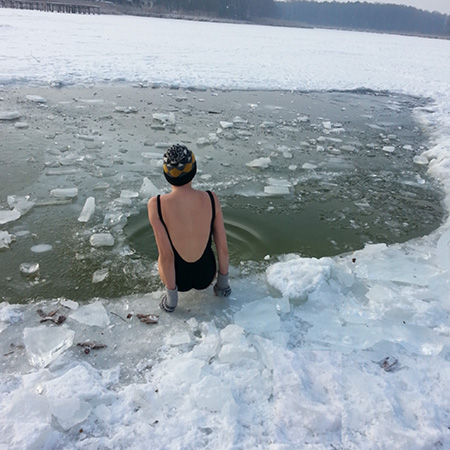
352	15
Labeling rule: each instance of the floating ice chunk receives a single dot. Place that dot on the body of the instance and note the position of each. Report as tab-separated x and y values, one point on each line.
86	137
102	186
128	194
61	171
309	166
10	115
22	204
22	233
212	394
292	167
335	140
407	147
21	125
124	201
36	99
163	145
148	189
260	163
268	125
203	141
226	125
165	118
275	191
277	187
421	160
212	138
279	182
327	125
7	216
88	210
29	269
100	275
5	239
152	155
44	344
337	129
388	148
93	314
239	122
41	248
179	338
363	204
420	180
102	240
113	218
126	109
296	277
64	192
259	317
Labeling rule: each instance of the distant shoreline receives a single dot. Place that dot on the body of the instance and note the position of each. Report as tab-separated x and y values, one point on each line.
110	8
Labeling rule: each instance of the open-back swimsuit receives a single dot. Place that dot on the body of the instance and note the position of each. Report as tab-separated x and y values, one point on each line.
198	274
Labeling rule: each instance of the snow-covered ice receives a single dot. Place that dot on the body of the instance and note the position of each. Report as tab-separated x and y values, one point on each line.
298	357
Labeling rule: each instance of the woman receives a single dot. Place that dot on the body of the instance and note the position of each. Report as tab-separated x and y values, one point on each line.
184	222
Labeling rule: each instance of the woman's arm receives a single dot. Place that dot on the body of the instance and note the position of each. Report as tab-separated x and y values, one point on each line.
166	259
220	238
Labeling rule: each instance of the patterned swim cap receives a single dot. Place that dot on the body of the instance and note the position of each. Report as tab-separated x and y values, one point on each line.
179	165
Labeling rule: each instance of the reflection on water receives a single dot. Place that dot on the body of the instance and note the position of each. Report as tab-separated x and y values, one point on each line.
261	227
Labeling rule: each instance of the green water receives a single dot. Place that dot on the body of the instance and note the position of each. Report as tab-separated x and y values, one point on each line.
345	189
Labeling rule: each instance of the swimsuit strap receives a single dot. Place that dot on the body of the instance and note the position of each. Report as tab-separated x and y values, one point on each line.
158	199
213	207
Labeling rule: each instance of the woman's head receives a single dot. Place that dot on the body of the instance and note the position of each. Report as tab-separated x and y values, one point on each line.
179	165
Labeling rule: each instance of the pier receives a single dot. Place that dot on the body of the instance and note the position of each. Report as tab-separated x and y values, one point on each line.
70	8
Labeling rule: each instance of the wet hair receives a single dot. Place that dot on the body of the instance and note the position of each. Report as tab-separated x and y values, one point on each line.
179	165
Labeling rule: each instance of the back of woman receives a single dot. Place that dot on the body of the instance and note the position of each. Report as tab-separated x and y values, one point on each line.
188	214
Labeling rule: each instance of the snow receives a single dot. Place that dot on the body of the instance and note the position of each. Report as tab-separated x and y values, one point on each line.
295	358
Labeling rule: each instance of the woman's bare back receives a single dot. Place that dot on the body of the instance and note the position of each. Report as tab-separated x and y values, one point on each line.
187	214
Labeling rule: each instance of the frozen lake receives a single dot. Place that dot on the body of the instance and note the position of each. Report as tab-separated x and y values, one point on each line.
337	334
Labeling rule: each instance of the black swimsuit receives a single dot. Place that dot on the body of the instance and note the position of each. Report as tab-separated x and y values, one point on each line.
199	274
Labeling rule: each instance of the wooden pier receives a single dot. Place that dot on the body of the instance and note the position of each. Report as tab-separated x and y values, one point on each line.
70	8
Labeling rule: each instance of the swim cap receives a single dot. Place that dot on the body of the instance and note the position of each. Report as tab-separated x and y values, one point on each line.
179	165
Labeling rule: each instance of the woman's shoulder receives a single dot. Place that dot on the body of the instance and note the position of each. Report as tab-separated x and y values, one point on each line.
152	204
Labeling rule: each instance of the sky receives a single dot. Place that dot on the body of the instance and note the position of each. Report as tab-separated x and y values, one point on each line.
442	6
